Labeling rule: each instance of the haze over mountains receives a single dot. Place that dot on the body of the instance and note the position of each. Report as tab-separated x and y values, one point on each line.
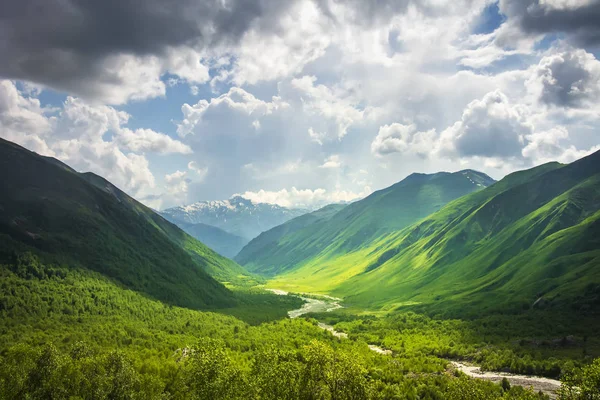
238	220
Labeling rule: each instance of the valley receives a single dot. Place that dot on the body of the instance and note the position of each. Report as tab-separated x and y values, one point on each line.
326	303
395	296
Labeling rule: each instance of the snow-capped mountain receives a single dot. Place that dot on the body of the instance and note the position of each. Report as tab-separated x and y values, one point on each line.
237	215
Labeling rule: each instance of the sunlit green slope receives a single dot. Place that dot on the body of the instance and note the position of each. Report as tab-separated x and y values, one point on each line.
532	238
83	221
359	223
266	240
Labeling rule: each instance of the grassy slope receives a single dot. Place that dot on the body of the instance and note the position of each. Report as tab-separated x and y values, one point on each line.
269	238
534	234
359	223
83	220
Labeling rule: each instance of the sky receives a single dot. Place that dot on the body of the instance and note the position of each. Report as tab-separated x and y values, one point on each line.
300	102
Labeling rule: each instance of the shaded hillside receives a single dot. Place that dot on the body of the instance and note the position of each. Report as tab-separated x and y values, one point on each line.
222	242
357	224
238	215
83	221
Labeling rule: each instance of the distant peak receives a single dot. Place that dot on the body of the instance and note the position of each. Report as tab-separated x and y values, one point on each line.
240	200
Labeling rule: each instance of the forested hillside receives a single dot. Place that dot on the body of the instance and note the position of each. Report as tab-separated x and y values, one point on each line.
83	221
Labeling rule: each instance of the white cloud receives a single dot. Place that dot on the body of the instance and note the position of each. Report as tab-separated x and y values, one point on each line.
305	198
492	132
316	137
490	127
238	101
176	185
126	78
331	162
399	138
568	78
333	112
23	120
552	145
75	134
200	172
147	140
302	37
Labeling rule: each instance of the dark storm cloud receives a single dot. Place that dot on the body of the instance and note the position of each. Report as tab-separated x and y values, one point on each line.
63	42
580	24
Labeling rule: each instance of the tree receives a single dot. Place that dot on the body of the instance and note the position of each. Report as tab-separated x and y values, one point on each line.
582	384
212	373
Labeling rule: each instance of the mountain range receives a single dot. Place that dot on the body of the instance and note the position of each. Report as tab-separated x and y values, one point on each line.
449	243
238	220
81	220
331	234
530	240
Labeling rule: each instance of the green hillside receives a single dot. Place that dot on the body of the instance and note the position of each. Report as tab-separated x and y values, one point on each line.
83	221
265	240
530	240
357	224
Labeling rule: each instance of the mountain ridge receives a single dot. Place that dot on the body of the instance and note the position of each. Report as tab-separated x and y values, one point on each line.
384	211
82	220
533	235
237	215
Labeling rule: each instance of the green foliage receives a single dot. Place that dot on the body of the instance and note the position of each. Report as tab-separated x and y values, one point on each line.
111	342
83	221
212	373
530	344
528	241
583	383
309	242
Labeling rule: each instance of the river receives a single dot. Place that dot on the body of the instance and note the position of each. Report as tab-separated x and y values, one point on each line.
328	303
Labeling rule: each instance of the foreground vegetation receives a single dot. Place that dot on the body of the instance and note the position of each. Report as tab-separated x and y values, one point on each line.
75	334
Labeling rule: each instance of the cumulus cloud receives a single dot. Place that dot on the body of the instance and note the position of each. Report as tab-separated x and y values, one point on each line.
147	140
331	162
334	113
237	100
200	172
105	49
23	120
266	139
129	171
490	127
493	130
176	184
567	79
75	133
302	37
577	19
304	198
400	138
